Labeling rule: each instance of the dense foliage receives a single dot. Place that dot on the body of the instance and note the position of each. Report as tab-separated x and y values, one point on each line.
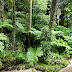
48	45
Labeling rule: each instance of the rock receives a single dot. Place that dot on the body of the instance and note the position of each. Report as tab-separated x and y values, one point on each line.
68	68
70	64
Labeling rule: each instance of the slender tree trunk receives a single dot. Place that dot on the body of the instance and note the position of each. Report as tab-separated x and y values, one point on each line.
14	26
52	11
1	9
30	23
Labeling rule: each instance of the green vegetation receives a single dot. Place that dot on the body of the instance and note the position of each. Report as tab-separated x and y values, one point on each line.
35	34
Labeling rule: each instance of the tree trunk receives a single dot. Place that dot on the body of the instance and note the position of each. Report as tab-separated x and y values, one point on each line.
30	23
52	11
61	22
14	26
1	9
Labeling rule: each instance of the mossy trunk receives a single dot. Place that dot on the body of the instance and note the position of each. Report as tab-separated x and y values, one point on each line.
52	11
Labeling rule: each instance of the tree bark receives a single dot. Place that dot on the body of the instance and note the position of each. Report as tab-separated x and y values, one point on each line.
14	25
1	12
52	11
1	9
30	23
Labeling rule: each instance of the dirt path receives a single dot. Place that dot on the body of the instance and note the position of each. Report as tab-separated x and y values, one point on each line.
68	68
28	70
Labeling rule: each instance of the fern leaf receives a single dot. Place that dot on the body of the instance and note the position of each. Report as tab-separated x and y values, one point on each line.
3	37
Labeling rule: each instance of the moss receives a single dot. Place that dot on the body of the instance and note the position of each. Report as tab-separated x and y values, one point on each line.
27	66
49	68
42	64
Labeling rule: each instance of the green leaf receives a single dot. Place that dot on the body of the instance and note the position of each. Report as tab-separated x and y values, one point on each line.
3	36
33	54
1	47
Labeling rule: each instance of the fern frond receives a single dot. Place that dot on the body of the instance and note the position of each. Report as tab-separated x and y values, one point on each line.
33	54
3	36
1	47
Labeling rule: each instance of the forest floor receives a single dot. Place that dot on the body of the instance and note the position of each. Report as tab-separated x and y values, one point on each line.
28	70
68	68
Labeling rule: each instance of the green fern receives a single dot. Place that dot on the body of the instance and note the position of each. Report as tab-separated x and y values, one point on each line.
1	47
33	54
3	36
60	42
6	24
35	32
1	52
0	63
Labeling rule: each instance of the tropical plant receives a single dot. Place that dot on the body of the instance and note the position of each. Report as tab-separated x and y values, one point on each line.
6	23
33	54
20	56
1	52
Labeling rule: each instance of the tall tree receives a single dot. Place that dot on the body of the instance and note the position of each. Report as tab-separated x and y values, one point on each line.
30	23
62	5
61	22
14	25
1	9
47	42
52	11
